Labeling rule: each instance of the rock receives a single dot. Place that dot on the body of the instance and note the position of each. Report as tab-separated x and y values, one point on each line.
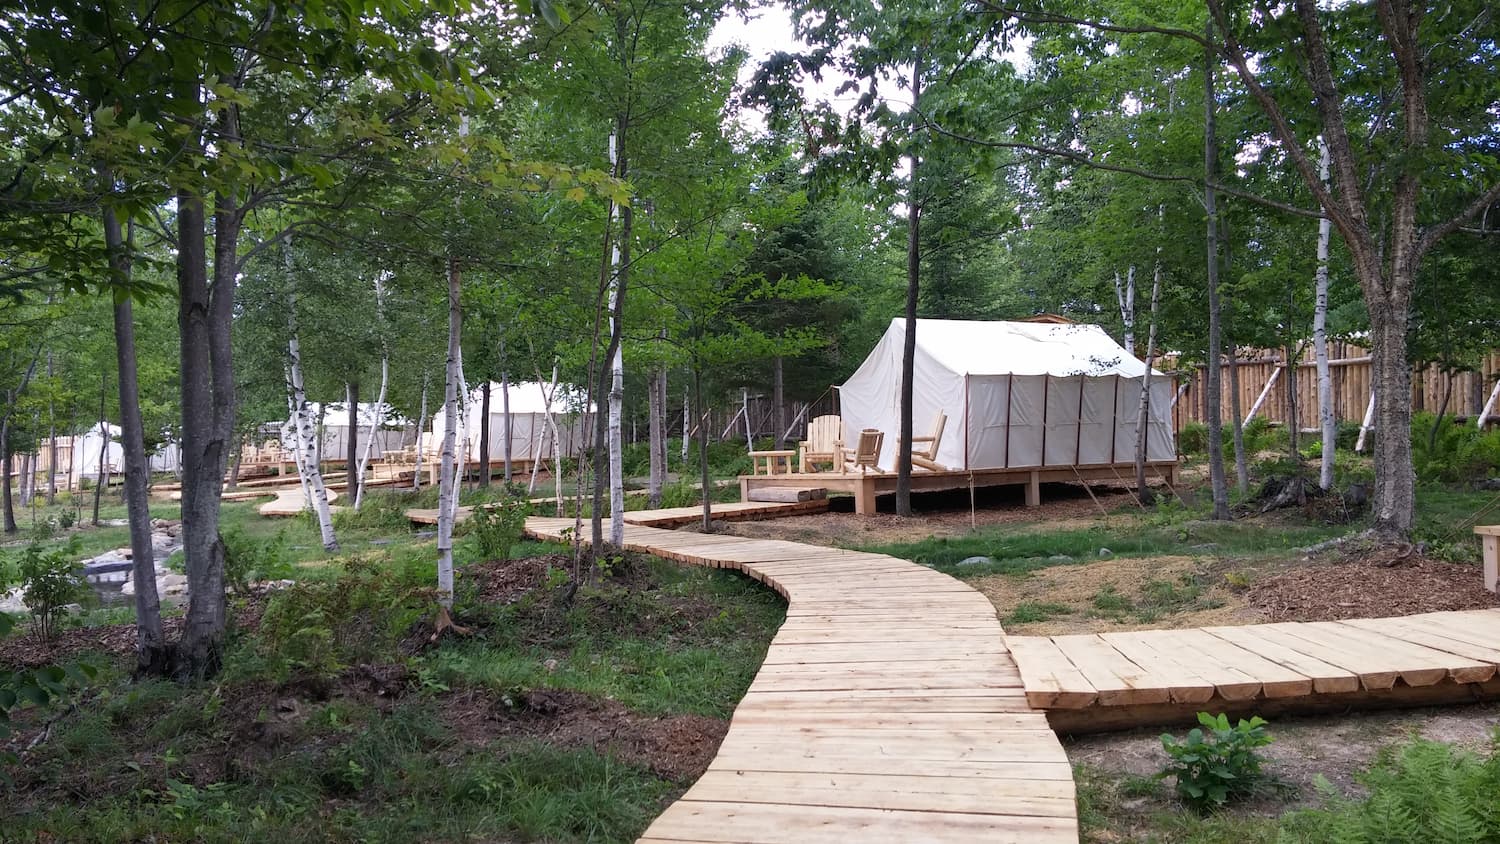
426	534
975	561
1059	558
1105	552
1489	484
381	541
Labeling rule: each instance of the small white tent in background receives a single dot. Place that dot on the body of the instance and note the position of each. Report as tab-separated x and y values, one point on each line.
530	438
89	447
1016	395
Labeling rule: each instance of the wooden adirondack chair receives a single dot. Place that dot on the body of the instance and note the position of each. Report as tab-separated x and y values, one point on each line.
824	444
924	449
866	453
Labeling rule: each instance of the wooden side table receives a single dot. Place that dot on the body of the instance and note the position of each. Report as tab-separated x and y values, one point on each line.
775	462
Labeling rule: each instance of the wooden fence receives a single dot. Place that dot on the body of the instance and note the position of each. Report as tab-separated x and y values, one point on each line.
1265	386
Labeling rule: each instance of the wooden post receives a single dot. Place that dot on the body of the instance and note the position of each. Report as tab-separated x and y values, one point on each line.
1491	536
864	497
1034	489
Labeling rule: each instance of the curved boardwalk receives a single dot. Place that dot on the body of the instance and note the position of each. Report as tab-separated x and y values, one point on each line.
289	501
888	709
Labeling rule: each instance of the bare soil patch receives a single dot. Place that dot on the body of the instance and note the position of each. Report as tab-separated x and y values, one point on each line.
676	747
1382	584
1337	747
944	514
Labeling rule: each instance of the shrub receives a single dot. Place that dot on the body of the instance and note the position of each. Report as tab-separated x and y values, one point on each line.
248	560
680	494
1219	765
1193	439
1423	791
379	510
1259	436
49	582
320	627
497	527
1453	453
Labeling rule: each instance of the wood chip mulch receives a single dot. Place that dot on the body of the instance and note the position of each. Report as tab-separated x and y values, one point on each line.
1377	585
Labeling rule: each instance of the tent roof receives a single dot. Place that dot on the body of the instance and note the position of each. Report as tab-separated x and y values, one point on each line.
974	347
528	397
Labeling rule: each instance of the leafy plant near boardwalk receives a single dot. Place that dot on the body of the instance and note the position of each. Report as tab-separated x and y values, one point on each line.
497	527
1218	765
1424	791
49	583
248	560
36	686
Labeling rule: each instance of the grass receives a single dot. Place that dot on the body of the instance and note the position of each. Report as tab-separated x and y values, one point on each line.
252	755
1030	612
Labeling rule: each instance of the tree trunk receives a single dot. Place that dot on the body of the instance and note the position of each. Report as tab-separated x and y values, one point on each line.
1125	296
656	434
1212	377
509	432
377	421
617	373
1237	421
447	474
484	435
309	469
1326	419
351	445
687	426
1143	414
1437	423
1293	414
7	504
1395	481
416	477
778	403
913	284
101	474
152	655
707	487
51	439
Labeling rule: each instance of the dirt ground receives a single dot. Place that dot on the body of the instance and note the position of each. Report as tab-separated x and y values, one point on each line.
1337	747
1064	506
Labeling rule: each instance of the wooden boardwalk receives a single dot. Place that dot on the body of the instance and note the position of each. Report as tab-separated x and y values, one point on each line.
888	709
1108	681
289	501
672	516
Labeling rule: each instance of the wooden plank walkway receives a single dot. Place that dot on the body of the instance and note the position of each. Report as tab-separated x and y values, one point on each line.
289	502
672	516
887	709
1108	681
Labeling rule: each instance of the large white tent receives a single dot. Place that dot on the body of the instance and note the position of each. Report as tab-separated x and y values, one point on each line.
530	438
1016	394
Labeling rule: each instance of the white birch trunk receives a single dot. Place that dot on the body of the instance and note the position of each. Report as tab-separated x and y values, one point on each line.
291	414
1125	296
377	420
1320	340
447	473
1143	414
616	389
308	465
461	405
687	416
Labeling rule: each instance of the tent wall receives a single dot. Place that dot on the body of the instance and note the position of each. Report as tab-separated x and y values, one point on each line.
1020	421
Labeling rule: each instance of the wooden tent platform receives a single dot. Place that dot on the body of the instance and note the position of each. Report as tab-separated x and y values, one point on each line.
866	487
1110	681
887	709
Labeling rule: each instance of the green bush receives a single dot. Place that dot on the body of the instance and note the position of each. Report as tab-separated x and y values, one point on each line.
1259	436
1455	453
319	627
1424	791
248	560
49	582
1214	767
379	511
497	527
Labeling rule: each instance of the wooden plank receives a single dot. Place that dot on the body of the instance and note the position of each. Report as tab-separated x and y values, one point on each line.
989	796
1478	661
1117	680
1373	671
1051	679
729	822
1326	677
1183	684
1234	670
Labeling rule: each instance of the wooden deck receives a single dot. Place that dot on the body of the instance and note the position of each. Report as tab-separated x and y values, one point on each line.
887	709
1090	683
735	511
867	487
289	501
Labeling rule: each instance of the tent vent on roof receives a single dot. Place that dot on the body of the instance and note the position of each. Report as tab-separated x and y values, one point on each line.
1016	394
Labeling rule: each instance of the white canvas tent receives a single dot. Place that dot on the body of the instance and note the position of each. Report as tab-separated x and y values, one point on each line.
395	432
530	438
1017	395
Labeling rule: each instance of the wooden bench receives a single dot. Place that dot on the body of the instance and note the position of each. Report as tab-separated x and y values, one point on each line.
1490	534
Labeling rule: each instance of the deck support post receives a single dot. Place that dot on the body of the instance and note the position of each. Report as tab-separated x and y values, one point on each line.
1034	490
864	497
1490	534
